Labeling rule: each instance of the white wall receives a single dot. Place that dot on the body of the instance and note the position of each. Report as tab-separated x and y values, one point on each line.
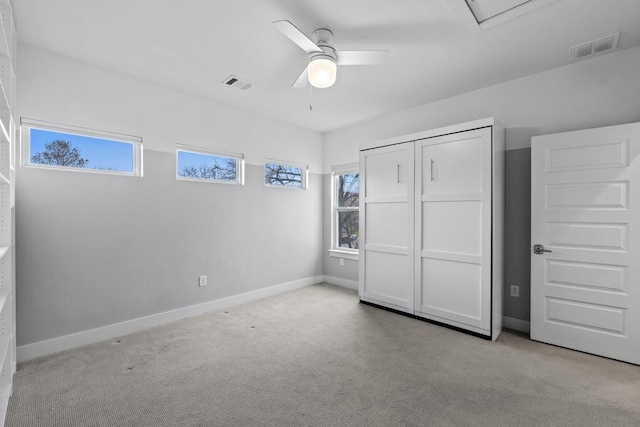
58	89
94	250
598	92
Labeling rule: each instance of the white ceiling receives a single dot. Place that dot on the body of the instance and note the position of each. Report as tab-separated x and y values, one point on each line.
437	51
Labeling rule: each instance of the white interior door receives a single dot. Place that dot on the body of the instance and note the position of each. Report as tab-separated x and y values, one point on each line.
386	214
585	211
453	229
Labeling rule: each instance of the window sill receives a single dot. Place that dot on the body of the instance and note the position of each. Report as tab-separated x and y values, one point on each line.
209	180
344	254
83	170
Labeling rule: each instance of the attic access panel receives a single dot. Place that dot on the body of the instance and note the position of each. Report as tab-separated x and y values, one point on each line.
487	9
489	13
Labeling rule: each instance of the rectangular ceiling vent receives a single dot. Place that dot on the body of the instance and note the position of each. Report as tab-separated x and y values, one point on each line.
601	45
237	82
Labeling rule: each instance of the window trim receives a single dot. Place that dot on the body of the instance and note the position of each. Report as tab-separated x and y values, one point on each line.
304	168
207	151
25	146
335	250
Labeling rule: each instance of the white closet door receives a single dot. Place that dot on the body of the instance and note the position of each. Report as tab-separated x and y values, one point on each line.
386	213
453	229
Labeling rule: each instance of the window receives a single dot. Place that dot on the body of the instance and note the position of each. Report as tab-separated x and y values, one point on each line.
55	146
345	207
198	164
278	174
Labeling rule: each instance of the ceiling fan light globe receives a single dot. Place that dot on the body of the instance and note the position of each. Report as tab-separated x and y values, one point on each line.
322	72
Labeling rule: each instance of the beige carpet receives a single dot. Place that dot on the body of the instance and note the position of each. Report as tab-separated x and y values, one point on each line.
316	357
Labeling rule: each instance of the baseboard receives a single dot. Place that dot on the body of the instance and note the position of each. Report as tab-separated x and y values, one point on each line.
78	339
346	283
516	324
5	394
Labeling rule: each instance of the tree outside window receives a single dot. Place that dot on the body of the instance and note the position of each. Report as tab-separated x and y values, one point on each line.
80	149
347	215
60	153
203	165
282	175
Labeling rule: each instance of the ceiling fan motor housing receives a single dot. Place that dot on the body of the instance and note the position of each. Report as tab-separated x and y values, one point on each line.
328	52
322	36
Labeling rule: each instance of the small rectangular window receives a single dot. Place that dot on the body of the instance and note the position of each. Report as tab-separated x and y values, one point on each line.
279	174
345	230
55	146
205	165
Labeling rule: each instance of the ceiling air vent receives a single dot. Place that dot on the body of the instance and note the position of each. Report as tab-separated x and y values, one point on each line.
237	82
604	44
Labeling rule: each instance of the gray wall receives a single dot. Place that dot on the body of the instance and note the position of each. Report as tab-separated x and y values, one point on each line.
96	249
517	232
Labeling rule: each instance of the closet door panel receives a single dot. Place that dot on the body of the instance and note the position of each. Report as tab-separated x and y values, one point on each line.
387	173
387	275
386	251
387	224
452	227
453	167
452	290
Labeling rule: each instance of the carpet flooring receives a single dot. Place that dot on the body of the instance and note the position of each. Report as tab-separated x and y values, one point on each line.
316	357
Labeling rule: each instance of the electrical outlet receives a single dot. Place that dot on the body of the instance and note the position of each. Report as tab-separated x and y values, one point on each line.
515	291
341	262
203	281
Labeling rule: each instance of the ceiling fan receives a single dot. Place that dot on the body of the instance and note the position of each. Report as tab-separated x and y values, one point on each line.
322	69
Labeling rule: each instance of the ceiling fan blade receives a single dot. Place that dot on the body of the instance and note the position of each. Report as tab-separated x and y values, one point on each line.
362	57
297	36
303	80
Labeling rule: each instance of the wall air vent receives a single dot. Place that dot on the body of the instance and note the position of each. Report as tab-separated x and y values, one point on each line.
237	82
604	44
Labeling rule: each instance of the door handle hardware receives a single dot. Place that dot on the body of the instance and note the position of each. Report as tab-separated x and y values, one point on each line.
539	249
398	173
432	164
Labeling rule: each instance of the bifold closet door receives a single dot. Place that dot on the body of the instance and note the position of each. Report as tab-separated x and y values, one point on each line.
386	214
453	229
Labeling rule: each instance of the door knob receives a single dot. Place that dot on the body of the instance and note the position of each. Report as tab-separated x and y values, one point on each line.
539	249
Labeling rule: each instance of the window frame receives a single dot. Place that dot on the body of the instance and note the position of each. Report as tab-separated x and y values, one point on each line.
335	250
239	157
25	146
303	168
